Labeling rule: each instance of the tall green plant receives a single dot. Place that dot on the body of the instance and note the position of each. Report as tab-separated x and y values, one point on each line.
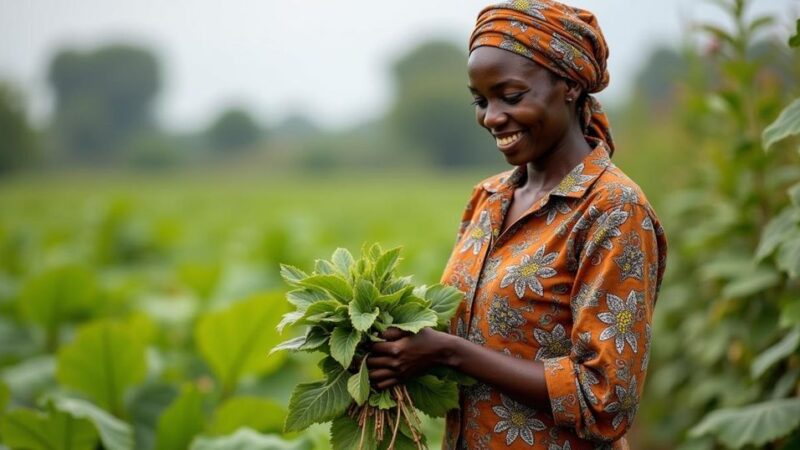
725	360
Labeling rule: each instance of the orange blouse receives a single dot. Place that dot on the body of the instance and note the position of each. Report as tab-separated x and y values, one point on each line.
572	283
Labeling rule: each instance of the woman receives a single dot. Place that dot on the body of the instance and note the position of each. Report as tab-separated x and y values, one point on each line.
560	259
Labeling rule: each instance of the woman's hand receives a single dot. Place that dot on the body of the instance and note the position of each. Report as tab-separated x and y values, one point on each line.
404	355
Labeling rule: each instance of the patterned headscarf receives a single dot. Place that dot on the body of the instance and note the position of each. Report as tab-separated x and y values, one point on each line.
565	40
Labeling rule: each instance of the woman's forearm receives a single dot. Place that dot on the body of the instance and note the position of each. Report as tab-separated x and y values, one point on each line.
520	379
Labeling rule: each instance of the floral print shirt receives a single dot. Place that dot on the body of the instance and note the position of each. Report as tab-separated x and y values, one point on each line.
573	284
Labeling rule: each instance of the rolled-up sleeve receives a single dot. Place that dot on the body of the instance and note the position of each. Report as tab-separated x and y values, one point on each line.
596	388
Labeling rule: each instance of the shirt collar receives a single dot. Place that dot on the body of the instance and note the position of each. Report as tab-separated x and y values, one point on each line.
574	184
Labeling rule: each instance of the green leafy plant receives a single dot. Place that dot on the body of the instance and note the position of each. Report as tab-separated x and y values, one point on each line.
345	305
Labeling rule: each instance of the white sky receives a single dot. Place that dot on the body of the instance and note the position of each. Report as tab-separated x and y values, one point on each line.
328	59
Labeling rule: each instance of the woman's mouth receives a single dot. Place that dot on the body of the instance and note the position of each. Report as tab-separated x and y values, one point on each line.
508	141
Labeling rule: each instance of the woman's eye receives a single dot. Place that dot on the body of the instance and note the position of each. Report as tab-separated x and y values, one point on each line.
479	102
513	99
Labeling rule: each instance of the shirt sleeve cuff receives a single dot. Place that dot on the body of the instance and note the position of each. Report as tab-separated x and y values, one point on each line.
561	380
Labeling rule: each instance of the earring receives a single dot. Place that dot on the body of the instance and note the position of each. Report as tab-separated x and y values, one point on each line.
569	99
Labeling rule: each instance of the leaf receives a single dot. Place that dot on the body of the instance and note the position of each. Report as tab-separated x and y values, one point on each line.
147	404
181	421
751	283
382	400
444	301
303	298
247	439
776	353
346	435
319	401
788	258
260	414
385	264
343	345
334	284
102	362
57	296
787	124
388	301
30	377
318	310
362	309
794	41
292	275
291	344
32	430
233	341
288	320
777	231
343	261
413	317
433	396
358	384
114	433
751	425
315	338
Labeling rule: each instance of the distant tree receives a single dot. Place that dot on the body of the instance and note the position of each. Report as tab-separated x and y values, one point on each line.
234	129
104	98
432	106
18	143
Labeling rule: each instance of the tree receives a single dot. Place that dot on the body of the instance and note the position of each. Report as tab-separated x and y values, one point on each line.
103	98
234	129
18	145
432	107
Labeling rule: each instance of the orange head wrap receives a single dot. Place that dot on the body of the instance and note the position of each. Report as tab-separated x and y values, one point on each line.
565	40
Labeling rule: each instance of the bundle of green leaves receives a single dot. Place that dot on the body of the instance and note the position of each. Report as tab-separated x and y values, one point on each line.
346	304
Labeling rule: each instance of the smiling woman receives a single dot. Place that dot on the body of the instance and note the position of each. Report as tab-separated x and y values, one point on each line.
560	259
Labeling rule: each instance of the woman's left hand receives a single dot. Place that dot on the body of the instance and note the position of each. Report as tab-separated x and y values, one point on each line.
404	355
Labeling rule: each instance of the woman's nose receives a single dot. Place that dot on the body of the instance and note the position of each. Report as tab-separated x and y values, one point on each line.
494	117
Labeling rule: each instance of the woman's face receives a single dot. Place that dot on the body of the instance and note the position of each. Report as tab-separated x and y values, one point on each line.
520	103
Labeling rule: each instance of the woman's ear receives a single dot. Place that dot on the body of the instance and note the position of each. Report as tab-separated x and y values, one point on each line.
573	91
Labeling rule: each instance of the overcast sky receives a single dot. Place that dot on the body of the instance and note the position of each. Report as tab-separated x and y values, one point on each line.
328	59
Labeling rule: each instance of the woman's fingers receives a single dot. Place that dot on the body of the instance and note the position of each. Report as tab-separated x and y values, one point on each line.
393	334
378	375
381	362
386	384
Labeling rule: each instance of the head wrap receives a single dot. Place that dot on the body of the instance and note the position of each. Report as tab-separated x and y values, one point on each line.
563	39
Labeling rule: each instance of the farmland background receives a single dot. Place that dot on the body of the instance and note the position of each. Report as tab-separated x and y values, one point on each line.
139	262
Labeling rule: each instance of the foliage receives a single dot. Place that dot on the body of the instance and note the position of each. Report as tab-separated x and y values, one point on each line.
233	129
19	146
103	98
345	304
737	383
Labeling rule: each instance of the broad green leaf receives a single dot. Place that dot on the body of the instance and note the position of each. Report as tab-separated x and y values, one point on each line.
385	264
343	261
788	258
780	228
316	337
30	377
398	284
382	400
347	435
319	401
233	341
202	278
751	283
57	296
33	430
114	433
318	310
303	298
291	344
787	124
102	362
785	384
444	301
260	414
358	384
751	425
413	317
292	275
433	396
146	405
247	439
324	267
181	421
333	284
776	353
362	309
388	301
790	313
288	320
343	345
